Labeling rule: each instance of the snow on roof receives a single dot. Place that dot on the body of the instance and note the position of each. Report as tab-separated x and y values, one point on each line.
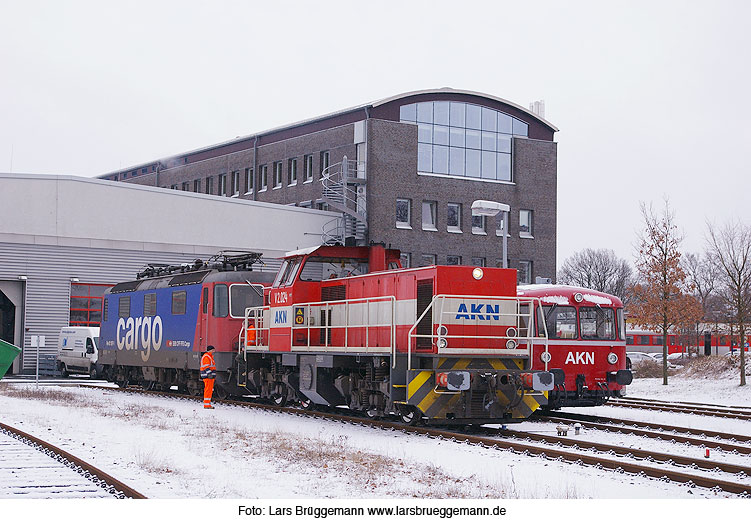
599	300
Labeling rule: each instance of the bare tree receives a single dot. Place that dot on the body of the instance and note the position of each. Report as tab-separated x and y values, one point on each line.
660	300
701	274
730	248
598	269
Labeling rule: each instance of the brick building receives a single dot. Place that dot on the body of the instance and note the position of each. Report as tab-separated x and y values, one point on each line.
404	171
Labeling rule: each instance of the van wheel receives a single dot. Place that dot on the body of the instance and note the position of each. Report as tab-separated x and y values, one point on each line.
64	371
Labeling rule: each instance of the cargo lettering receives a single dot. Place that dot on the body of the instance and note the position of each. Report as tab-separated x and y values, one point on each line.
140	333
476	312
581	357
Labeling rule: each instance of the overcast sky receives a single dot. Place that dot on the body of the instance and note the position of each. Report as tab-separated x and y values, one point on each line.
650	97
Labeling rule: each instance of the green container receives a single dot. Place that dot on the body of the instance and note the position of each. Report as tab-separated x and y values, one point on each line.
8	354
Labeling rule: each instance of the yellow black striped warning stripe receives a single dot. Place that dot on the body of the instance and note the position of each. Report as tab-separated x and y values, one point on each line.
434	403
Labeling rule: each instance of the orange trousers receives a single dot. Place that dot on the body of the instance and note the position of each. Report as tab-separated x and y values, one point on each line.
208	390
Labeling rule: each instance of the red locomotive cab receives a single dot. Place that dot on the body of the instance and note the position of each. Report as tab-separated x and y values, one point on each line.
587	343
349	326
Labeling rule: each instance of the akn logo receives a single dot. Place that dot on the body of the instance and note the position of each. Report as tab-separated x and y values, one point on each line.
581	357
476	312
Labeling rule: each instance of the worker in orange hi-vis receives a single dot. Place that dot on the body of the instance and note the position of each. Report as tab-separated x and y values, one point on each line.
208	374
250	334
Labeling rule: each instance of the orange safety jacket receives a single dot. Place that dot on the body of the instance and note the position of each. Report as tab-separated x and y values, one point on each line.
208	368
250	334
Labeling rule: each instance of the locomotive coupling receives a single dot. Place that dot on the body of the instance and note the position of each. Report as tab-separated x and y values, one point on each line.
540	381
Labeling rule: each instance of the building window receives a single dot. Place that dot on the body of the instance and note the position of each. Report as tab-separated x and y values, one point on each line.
308	162
186	186
235	183
248	180
454	217
403	213
324	161
322	205
263	177
478	224
292	172
86	303
197	186
406	259
462	139
277	175
209	185
524	272
428	215
525	223
427	259
453	260
222	184
478	261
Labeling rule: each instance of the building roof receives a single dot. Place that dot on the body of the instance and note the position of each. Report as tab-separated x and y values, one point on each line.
78	211
359	108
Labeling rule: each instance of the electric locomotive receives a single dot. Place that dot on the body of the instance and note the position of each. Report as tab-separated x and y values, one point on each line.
346	326
587	344
155	328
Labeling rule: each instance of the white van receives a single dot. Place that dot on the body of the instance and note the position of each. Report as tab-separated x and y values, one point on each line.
78	351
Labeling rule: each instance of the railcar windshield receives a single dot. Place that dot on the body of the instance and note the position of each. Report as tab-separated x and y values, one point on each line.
242	296
561	322
597	323
287	272
324	268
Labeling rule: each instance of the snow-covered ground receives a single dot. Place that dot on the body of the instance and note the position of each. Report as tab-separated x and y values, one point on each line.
170	448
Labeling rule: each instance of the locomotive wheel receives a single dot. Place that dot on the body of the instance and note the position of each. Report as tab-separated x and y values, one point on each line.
122	383
279	399
220	393
307	404
410	415
64	371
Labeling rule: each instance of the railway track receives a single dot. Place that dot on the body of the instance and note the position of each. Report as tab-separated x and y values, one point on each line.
33	468
707	439
692	472
740	413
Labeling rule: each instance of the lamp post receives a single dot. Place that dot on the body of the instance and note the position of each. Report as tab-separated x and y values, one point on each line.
491	209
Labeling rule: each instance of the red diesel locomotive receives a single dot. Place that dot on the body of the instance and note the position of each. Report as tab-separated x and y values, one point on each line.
348	326
587	344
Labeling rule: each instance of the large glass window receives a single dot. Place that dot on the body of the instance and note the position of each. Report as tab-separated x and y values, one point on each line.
221	300
86	303
561	322
597	323
463	139
524	272
277	175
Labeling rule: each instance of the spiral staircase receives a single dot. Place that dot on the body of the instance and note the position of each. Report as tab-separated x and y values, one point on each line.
344	185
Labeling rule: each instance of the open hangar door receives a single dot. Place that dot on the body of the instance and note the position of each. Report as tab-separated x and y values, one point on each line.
11	317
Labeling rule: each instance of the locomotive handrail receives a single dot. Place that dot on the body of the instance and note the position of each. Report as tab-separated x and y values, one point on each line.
257	326
529	340
327	325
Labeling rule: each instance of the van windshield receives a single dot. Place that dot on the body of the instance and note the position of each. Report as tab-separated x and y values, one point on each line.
96	342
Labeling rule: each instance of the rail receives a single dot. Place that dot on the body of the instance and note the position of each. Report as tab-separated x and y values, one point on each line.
512	320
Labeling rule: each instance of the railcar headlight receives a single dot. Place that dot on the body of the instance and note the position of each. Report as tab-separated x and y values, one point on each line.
578	297
545	357
612	358
477	273
442	343
511	344
511	332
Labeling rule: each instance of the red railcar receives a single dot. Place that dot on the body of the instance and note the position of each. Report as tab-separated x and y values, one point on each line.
348	326
587	343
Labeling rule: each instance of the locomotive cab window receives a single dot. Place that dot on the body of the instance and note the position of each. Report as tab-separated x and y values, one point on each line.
179	301
561	322
221	300
243	296
622	325
597	323
320	268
